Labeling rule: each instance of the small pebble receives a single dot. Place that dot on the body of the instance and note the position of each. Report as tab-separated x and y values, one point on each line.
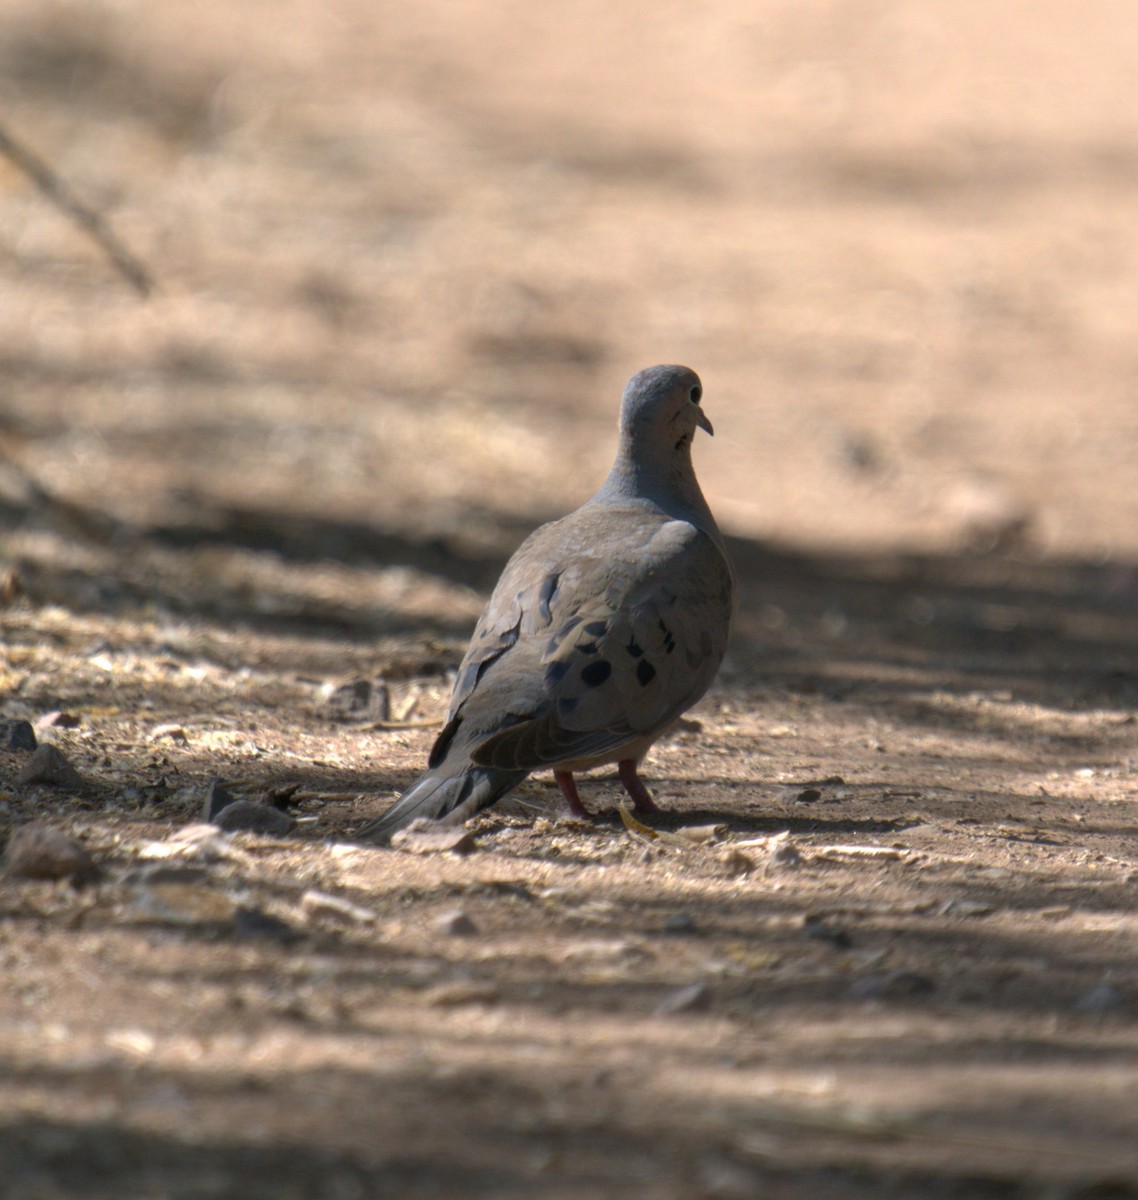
172	731
889	985
216	798
989	513
859	451
161	873
680	922
1102	998
359	700
205	843
180	903
39	851
459	991
139	796
58	720
692	998
17	735
598	950
820	930
255	923
455	924
324	904
11	586
736	863
721	1179
965	908
782	853
424	837
49	765
248	816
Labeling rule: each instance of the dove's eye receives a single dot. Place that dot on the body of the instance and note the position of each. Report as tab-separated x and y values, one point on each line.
696	394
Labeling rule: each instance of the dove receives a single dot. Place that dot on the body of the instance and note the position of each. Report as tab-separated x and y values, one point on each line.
604	627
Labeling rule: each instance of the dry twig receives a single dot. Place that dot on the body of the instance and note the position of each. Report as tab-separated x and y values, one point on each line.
52	186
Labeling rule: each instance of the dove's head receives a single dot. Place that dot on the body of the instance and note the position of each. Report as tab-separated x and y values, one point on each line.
661	409
659	415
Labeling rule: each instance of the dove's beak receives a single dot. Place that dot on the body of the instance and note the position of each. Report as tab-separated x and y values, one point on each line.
704	423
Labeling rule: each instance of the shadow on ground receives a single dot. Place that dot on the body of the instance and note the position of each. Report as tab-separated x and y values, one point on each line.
1054	631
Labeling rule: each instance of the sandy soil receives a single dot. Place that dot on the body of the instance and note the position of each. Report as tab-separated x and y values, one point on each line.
406	259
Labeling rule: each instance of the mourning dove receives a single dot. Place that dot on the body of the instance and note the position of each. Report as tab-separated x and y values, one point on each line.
604	628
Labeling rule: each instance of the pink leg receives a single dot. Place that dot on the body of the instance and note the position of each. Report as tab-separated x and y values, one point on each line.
642	801
568	788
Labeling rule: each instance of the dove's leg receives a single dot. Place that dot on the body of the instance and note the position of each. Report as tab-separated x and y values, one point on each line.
641	798
568	786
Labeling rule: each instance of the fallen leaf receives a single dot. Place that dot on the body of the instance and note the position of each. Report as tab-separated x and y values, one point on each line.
637	828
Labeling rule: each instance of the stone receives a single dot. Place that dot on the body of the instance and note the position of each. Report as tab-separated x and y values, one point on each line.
255	923
692	998
181	903
17	735
1102	998
680	922
216	798
58	720
890	985
315	903
818	929
425	837
248	816
49	765
40	851
455	924
359	700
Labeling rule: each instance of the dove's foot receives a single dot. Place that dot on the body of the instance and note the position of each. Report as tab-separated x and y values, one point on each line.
568	786
642	801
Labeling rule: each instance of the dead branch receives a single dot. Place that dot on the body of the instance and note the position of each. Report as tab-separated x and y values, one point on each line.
53	187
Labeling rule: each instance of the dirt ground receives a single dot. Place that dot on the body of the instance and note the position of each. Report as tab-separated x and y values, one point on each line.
406	258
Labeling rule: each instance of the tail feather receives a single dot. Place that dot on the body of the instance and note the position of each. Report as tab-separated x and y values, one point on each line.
444	797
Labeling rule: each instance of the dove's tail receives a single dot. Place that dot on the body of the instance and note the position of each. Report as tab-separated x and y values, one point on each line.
448	798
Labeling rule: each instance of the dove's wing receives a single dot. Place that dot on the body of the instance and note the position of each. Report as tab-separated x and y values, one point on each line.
604	627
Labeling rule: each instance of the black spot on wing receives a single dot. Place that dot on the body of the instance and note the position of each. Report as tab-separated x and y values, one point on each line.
634	649
596	673
586	647
556	672
596	628
645	672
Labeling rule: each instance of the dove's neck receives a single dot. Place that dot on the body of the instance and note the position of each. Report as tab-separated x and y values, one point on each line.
666	482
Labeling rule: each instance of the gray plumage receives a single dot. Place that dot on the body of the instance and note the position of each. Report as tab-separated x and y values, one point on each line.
604	628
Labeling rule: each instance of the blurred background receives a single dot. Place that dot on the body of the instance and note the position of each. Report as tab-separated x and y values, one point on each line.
407	257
